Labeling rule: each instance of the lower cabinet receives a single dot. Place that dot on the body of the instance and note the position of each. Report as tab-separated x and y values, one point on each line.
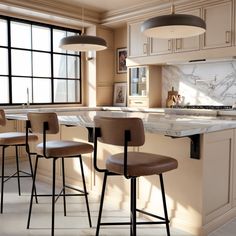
218	171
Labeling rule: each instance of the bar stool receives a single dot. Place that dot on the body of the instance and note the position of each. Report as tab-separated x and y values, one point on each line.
47	123
129	132
15	139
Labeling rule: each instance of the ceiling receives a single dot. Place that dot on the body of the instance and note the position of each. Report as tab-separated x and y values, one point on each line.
102	6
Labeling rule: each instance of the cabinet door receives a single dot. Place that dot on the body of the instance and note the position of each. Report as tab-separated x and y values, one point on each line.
188	44
219	25
217	173
137	41
160	46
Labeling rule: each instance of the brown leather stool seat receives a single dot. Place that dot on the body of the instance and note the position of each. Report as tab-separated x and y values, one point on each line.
15	139
47	123
129	132
63	148
140	164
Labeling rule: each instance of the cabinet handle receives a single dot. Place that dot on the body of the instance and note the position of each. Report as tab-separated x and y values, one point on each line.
178	44
228	36
145	48
138	102
169	45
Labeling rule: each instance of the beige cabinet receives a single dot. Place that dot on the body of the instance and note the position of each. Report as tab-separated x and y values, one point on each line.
217	173
188	44
160	46
138	42
219	23
234	169
144	86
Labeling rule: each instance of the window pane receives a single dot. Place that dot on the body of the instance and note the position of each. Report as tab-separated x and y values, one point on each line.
20	35
3	32
73	88
41	64
66	90
3	61
60	90
59	66
57	36
19	90
41	38
21	63
4	90
42	91
73	67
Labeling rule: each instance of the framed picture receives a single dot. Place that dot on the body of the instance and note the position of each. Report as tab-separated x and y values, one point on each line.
120	90
121	60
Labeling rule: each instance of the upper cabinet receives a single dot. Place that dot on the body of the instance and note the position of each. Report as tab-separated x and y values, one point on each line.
138	42
220	17
219	22
188	44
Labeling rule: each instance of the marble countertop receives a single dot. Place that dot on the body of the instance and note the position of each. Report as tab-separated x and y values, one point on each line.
160	122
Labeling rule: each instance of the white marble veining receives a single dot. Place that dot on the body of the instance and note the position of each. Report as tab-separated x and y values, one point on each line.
202	84
160	123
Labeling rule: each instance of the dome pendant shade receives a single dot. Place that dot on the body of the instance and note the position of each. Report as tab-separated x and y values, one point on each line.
83	43
173	26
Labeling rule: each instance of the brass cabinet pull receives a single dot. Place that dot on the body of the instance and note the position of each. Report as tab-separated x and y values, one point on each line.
169	45
227	36
145	48
178	44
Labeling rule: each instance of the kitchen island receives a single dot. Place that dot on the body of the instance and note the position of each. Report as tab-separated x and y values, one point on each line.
201	193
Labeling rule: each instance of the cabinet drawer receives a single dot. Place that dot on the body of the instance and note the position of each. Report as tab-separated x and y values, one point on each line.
138	102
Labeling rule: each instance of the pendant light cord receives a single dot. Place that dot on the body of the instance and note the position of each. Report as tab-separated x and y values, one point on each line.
172	7
82	33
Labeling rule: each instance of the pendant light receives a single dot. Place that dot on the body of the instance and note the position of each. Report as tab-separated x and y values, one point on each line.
173	26
83	42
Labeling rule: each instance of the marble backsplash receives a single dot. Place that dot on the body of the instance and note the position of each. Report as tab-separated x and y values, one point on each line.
211	83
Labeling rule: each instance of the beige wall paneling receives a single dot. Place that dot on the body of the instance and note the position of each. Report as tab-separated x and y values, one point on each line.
120	37
219	21
105	69
100	70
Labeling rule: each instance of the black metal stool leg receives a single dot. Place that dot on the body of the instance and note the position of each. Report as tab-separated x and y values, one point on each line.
164	204
18	170
53	194
85	191
32	173
101	203
2	182
133	207
64	184
32	192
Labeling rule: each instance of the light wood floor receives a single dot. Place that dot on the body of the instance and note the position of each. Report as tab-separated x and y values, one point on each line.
13	220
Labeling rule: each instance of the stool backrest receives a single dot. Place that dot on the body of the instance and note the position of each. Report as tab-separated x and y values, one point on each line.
39	121
2	118
112	130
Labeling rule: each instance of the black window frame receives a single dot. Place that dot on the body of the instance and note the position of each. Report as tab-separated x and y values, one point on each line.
51	52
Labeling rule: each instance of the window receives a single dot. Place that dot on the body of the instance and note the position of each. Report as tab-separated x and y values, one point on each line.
33	67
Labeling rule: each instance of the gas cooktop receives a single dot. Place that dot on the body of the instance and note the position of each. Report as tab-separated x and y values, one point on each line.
212	107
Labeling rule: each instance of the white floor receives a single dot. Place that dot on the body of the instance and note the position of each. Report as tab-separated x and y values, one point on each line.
13	220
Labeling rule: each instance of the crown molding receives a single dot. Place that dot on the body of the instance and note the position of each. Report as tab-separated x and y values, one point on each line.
145	10
63	10
70	14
